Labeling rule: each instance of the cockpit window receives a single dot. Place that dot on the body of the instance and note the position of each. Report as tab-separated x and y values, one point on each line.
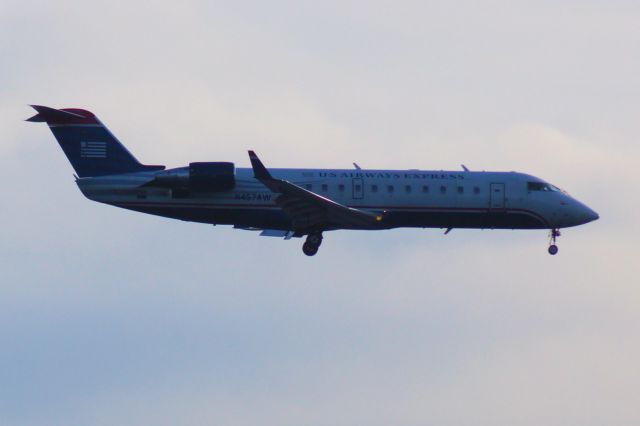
542	186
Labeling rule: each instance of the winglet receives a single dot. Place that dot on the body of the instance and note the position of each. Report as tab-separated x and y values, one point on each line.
260	172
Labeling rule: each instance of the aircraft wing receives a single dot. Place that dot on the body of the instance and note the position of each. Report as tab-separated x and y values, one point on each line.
309	210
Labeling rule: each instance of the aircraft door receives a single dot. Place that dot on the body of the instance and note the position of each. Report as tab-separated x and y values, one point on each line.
358	188
497	196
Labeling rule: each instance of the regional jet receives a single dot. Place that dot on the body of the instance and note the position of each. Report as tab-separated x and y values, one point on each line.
307	202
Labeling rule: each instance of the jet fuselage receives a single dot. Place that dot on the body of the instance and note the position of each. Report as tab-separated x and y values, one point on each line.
408	198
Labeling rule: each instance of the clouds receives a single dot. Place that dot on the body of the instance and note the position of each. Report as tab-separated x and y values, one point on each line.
109	316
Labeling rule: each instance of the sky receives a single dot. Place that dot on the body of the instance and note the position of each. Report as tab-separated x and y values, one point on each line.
115	317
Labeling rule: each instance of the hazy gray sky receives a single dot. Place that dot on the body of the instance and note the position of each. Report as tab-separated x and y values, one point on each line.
114	317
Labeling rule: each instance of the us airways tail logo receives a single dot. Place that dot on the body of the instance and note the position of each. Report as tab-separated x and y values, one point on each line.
93	149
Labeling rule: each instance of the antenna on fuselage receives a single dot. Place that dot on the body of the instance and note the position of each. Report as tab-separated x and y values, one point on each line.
464	168
356	166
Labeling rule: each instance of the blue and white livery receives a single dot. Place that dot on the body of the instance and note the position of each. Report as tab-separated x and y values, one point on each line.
307	202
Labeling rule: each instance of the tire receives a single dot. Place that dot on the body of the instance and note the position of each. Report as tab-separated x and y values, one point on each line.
314	239
553	249
309	249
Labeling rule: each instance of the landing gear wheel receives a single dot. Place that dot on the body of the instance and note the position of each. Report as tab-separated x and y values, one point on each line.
312	244
309	249
553	248
315	239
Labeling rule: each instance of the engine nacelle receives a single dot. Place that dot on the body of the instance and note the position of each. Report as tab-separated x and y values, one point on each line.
199	177
212	177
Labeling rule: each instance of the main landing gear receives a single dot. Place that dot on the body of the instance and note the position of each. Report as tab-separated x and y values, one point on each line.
312	244
553	234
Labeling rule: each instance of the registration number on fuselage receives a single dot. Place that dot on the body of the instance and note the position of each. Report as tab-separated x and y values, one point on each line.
252	196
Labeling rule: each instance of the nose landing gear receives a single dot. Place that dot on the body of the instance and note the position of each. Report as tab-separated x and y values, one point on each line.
553	234
312	244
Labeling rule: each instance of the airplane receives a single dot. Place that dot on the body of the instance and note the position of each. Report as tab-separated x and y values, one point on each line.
307	202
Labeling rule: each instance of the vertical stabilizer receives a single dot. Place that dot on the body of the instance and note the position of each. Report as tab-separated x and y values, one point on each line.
90	147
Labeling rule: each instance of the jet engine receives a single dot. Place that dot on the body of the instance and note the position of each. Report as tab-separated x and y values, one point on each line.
198	177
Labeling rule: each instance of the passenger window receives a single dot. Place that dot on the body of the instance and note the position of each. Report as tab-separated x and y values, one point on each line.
476	190
390	188
443	189
407	188
461	190
341	188
374	188
324	187
425	189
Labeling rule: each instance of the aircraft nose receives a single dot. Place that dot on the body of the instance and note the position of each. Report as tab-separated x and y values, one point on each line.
591	215
586	214
577	213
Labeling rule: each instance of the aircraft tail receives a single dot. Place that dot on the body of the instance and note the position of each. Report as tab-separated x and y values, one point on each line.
90	147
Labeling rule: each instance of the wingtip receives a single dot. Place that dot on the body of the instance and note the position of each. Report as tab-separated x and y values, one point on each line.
259	170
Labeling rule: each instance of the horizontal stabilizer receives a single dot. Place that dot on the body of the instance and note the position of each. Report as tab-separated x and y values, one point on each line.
62	116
